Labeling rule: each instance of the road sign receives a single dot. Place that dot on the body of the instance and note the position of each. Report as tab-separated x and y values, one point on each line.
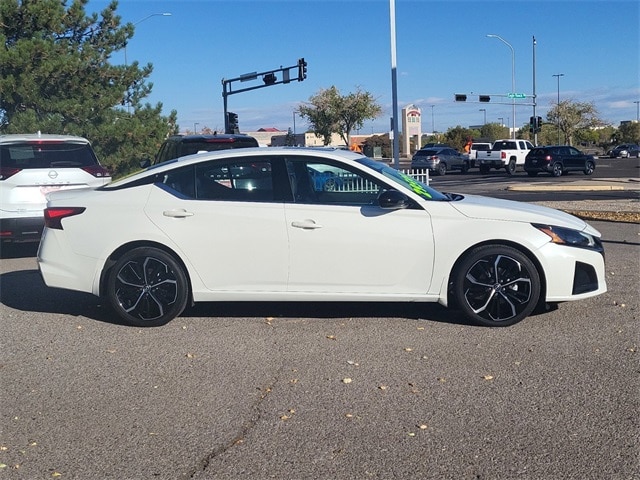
516	95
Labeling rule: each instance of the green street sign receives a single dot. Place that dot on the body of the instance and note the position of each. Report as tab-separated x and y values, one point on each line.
516	95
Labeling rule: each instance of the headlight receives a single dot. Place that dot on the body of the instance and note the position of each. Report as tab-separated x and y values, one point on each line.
570	237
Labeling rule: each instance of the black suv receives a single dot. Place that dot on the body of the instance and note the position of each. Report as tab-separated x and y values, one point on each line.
557	160
180	145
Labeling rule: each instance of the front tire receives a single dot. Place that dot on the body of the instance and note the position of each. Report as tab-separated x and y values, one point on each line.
589	167
496	286
147	287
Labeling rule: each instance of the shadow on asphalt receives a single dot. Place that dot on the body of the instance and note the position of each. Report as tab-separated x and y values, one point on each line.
25	291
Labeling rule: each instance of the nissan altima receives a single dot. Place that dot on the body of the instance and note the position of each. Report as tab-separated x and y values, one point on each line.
183	231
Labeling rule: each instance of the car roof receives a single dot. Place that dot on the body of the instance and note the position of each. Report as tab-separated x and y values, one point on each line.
323	153
32	137
206	136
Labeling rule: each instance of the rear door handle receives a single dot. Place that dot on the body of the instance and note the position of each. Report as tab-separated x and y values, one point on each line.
180	213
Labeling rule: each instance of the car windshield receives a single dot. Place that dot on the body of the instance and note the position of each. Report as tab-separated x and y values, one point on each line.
405	180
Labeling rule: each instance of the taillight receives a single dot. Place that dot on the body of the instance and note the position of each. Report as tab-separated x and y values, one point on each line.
97	171
53	215
503	155
434	158
6	172
548	158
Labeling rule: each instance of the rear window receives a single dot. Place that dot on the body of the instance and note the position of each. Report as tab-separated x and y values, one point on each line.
481	147
504	146
47	155
427	153
191	147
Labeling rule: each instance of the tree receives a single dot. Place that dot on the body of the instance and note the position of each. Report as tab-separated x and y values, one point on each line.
56	76
629	132
494	131
458	136
569	117
329	112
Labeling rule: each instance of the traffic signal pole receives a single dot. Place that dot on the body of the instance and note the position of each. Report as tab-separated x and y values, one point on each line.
269	77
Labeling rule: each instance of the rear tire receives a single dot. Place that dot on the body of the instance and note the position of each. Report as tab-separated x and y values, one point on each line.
496	285
147	287
511	167
441	169
484	170
556	169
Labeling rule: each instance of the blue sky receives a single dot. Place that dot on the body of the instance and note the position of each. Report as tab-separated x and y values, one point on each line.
442	48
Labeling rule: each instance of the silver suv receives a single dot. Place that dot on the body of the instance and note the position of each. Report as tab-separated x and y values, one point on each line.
32	165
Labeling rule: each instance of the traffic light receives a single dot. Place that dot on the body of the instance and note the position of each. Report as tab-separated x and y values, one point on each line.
269	78
535	124
232	123
460	97
302	69
484	98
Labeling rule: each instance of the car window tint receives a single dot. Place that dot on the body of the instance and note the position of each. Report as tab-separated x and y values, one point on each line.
319	182
47	155
249	181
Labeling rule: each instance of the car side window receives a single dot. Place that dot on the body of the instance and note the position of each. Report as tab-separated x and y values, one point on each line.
316	181
235	180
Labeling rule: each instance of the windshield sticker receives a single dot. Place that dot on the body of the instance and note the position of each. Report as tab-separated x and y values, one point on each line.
416	186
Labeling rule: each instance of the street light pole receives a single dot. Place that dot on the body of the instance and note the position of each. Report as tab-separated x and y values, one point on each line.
484	110
513	80
637	102
433	127
558	75
195	128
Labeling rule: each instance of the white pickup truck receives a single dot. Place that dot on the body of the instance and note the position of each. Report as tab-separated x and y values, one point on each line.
507	154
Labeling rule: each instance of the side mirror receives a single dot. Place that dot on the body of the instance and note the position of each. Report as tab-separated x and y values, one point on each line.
393	200
145	163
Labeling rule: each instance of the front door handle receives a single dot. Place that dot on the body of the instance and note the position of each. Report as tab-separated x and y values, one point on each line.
180	213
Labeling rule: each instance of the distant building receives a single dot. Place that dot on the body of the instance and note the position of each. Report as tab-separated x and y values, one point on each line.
411	129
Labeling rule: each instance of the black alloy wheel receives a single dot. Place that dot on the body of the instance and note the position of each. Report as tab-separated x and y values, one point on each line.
556	169
147	287
511	167
496	286
589	167
441	169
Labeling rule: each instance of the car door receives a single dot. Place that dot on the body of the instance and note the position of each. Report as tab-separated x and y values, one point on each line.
342	243
226	221
573	158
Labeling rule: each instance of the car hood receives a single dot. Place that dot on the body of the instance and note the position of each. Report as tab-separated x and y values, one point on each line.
474	206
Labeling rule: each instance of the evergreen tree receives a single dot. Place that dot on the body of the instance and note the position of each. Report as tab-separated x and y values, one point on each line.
56	76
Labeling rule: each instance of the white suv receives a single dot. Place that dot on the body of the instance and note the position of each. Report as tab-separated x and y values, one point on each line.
32	165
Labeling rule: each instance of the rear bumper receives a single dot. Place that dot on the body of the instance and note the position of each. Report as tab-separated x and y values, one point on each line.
483	162
22	229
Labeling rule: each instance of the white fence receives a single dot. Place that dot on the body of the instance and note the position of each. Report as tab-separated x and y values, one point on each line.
352	183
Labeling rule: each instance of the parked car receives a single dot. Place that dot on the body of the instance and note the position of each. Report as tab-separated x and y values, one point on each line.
440	160
159	240
181	145
32	165
558	160
626	150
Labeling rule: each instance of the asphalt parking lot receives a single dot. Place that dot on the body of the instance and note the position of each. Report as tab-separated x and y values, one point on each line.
329	391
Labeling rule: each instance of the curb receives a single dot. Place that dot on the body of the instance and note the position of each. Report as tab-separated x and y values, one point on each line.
568	188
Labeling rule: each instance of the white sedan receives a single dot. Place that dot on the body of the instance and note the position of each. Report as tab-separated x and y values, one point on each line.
253	225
